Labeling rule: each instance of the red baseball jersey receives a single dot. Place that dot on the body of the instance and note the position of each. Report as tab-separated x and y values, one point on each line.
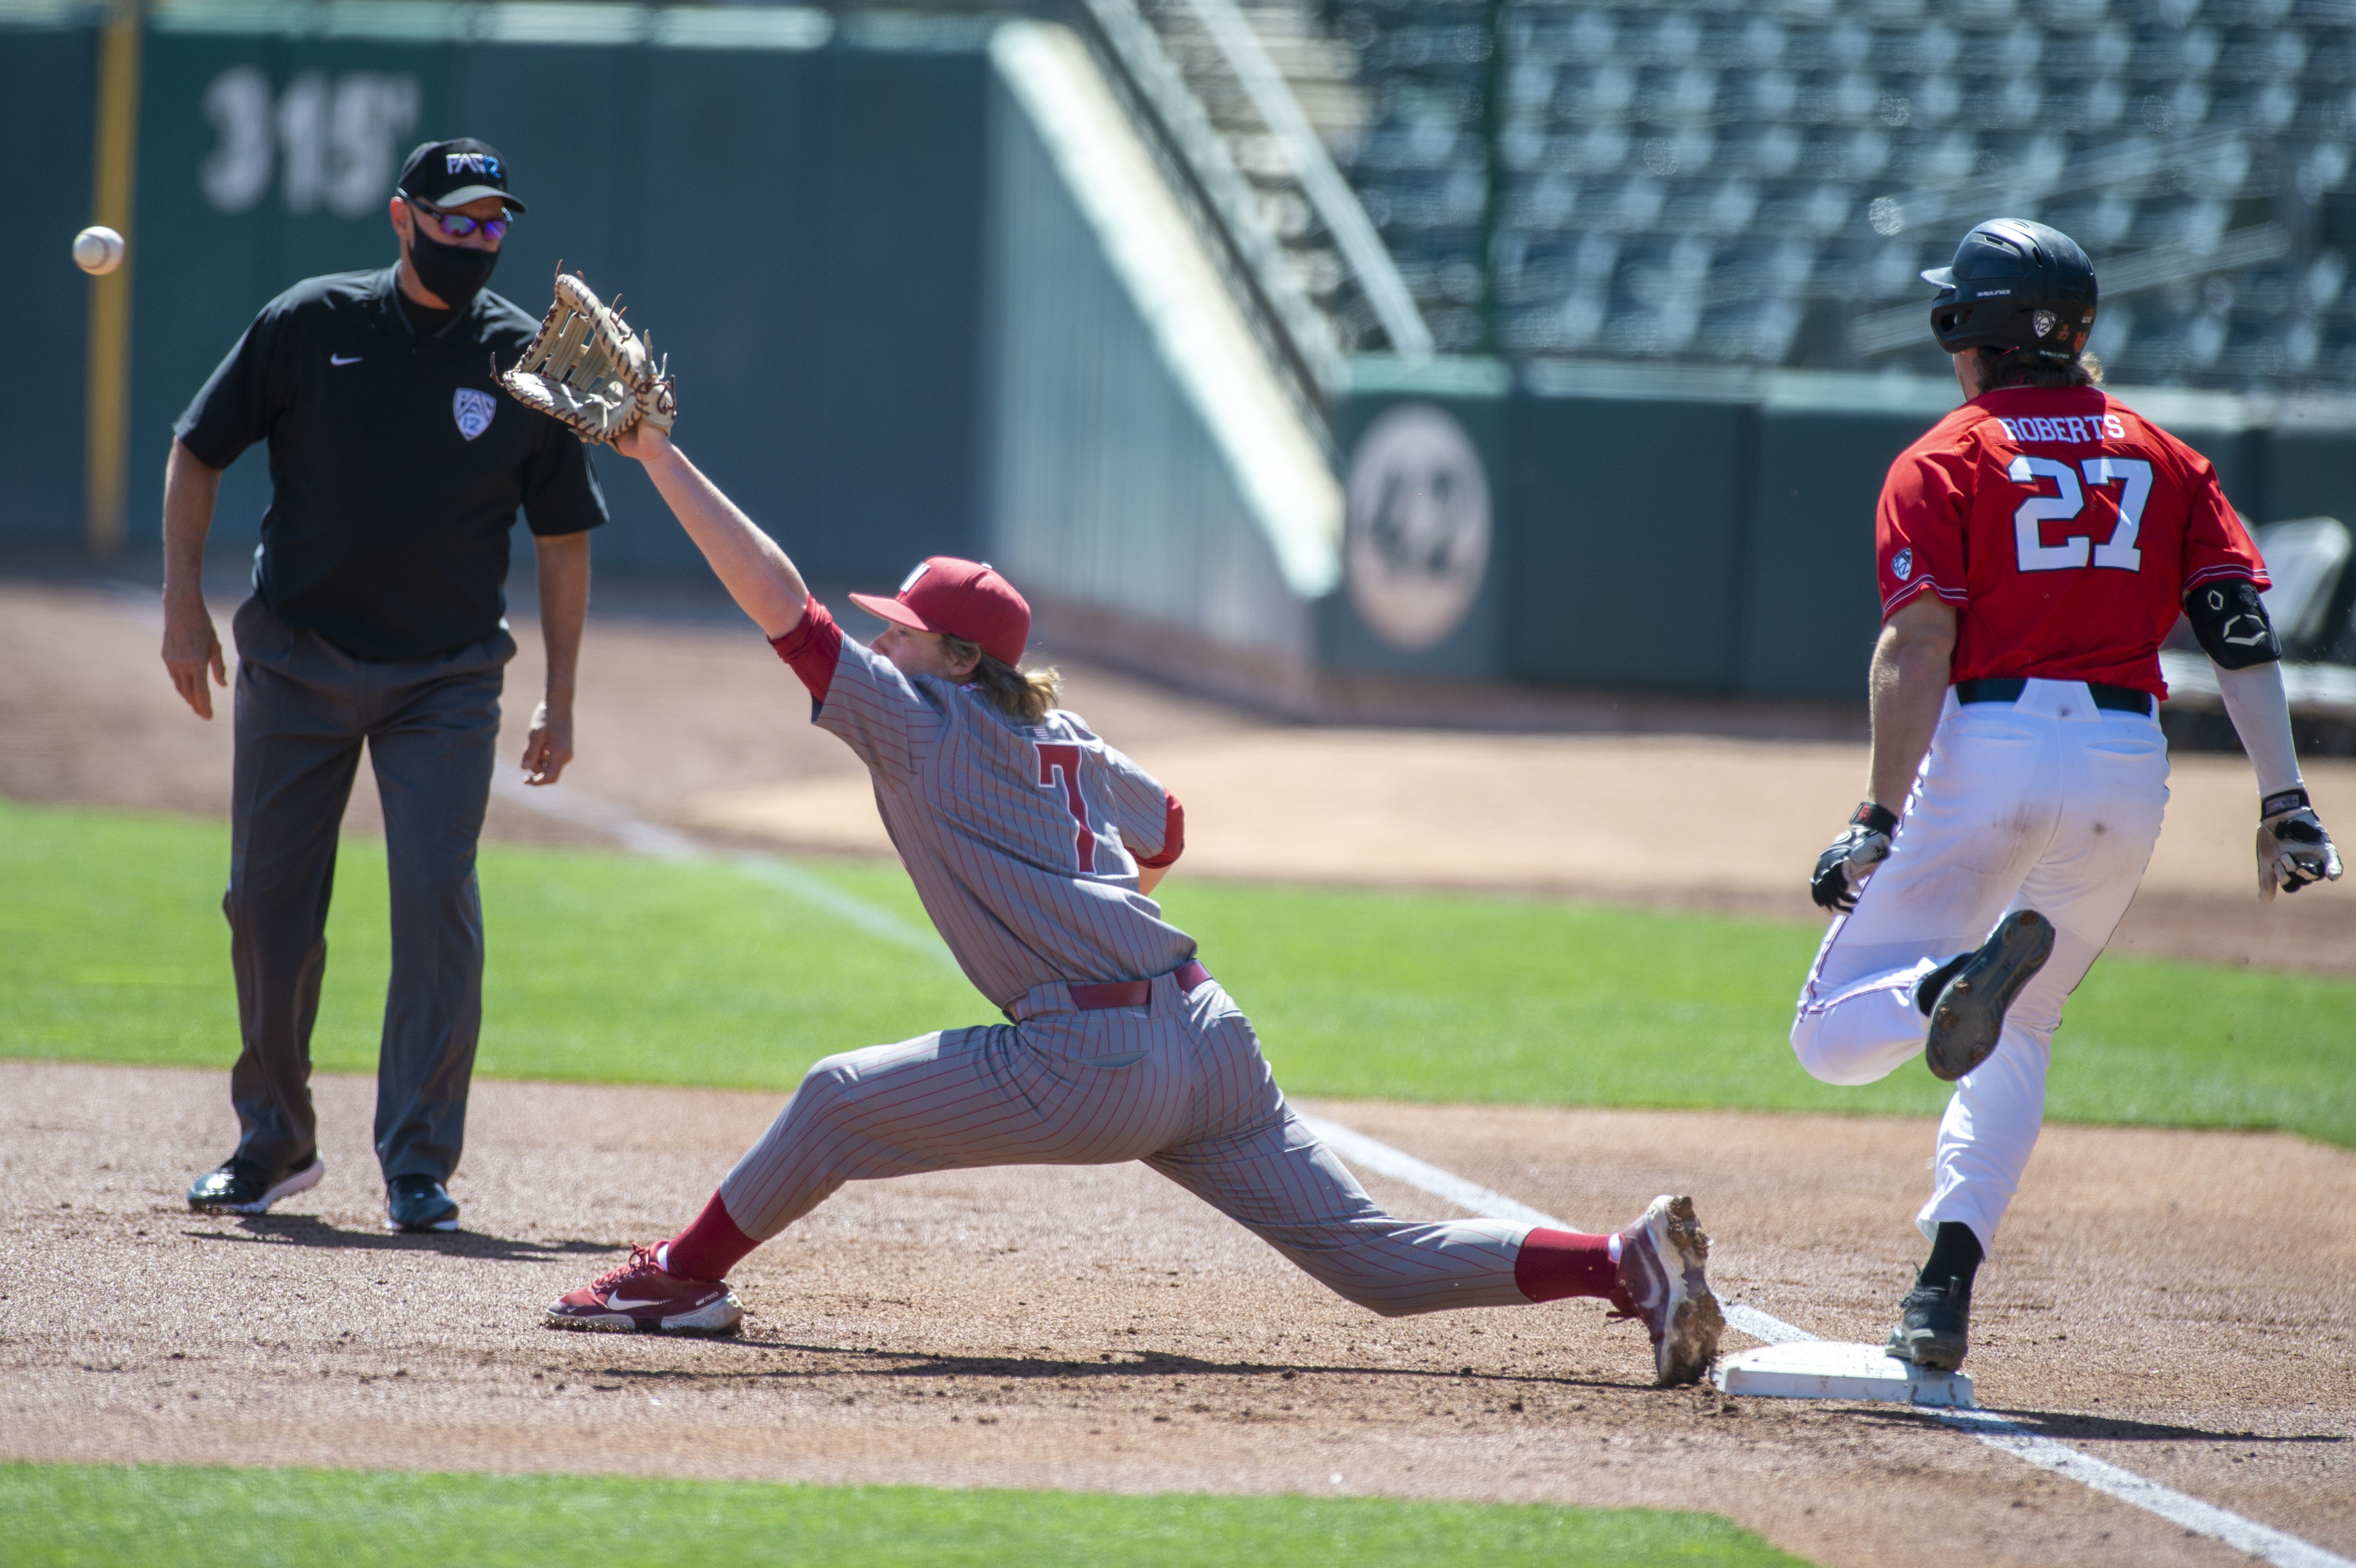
2064	526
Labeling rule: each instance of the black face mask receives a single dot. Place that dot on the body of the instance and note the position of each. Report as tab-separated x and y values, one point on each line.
454	273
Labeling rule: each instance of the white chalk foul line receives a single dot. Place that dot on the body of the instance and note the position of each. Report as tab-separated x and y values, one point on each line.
636	835
624	827
848	907
2259	1540
2187	1512
1399	1165
1376	1155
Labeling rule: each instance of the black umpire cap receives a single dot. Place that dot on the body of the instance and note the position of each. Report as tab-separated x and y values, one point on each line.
453	172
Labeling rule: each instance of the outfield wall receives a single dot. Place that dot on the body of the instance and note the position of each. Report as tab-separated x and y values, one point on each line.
902	276
46	107
796	208
1703	535
898	280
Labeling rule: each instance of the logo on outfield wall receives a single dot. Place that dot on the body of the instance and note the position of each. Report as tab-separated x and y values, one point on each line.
1417	542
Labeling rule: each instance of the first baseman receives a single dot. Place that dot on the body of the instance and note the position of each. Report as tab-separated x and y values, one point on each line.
2033	549
1035	847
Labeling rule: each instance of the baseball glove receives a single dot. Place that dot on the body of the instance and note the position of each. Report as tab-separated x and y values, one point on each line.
2293	848
589	370
1849	859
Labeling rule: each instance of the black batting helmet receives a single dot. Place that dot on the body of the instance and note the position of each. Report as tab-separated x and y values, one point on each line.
2015	284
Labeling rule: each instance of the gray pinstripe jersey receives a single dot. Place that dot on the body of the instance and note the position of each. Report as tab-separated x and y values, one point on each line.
1023	841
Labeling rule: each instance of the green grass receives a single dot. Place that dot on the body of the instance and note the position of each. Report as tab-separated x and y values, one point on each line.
1427	997
113	948
258	1518
603	967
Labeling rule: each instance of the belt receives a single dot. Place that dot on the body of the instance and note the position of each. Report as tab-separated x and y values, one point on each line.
2008	689
1133	993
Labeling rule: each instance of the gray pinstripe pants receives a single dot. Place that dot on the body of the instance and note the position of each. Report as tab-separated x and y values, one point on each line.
1179	1084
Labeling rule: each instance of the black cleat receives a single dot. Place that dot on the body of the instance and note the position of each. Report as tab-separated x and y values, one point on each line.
239	1186
418	1203
1968	1014
1934	1326
1927	989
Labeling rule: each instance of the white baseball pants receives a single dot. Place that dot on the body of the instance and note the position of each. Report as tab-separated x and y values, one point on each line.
1178	1083
2048	803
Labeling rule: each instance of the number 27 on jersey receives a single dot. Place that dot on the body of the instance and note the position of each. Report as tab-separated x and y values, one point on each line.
2118	551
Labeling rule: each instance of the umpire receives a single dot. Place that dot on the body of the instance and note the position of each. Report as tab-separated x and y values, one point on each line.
396	470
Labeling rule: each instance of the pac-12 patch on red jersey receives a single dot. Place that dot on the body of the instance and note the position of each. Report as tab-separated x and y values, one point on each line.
2064	527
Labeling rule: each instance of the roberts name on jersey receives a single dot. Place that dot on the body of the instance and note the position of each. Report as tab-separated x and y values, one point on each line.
2074	428
2064	527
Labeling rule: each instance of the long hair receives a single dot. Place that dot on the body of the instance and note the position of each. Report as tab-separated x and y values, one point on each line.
2000	368
1024	694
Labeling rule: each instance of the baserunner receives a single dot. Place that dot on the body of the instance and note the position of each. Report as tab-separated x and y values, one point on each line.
1036	848
2033	549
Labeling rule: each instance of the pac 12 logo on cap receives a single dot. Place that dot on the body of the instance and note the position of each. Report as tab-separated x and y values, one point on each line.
454	172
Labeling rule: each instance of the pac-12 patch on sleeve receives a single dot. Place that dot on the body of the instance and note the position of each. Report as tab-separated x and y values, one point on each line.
1901	565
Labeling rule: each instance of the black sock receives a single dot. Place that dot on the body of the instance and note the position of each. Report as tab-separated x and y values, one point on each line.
1955	1255
1927	989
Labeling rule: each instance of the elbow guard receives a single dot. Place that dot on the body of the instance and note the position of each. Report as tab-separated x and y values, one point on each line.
2230	620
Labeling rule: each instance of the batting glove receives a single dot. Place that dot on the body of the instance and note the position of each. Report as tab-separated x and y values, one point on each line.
2293	848
1842	869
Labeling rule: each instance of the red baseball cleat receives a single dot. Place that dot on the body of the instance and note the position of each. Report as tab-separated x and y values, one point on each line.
1661	1285
643	1296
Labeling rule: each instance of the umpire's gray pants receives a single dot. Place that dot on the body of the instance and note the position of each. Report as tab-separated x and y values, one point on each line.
304	706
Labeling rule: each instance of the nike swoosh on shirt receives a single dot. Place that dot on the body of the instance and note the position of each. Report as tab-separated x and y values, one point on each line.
341	360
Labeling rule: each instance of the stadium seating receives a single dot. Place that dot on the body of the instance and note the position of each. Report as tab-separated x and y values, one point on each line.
1708	181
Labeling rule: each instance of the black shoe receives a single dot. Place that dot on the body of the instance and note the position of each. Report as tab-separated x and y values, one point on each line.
1934	1326
240	1186
1968	1017
418	1203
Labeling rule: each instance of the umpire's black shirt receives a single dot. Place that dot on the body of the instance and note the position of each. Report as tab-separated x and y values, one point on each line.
396	463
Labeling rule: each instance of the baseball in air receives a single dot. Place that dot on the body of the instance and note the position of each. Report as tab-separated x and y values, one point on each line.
98	249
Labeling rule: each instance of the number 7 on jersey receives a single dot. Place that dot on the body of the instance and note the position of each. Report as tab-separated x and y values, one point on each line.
1061	765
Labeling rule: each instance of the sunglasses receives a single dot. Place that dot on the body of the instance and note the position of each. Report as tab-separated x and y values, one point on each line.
458	225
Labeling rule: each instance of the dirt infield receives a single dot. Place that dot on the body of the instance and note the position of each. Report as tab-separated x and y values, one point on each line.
2173	1302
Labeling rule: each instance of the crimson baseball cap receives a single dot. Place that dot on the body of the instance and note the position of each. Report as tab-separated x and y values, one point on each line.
453	172
963	599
